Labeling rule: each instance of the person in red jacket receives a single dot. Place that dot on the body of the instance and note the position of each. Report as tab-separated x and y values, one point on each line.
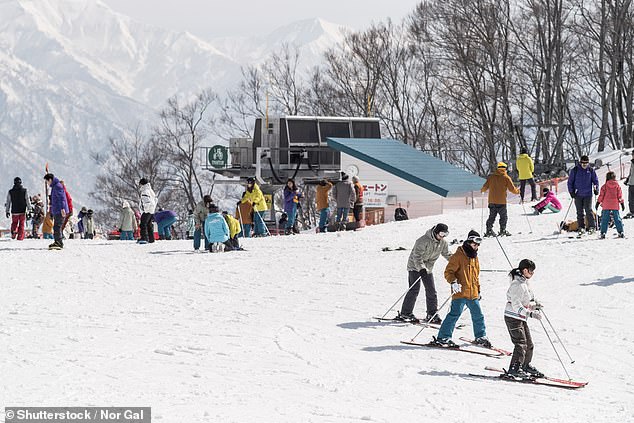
609	199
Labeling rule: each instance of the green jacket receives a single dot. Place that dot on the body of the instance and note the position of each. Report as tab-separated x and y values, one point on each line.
426	251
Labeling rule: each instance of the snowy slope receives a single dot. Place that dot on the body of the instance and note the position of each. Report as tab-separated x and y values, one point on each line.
282	332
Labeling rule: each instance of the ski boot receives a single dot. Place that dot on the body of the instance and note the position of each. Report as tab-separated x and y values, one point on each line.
489	233
409	318
504	232
443	342
621	235
532	371
602	236
433	319
516	373
591	231
483	341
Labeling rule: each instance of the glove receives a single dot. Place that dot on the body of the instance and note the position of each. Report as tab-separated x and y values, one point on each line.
573	195
596	191
538	306
535	315
479	297
596	205
8	215
456	288
422	273
622	206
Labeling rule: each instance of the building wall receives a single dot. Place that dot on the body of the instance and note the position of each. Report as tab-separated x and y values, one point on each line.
417	200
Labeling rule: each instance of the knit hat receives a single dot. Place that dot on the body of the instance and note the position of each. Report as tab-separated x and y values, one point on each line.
584	159
523	151
344	176
473	236
143	181
440	227
251	180
213	209
17	180
502	165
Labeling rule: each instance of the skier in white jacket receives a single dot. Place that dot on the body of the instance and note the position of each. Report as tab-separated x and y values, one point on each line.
520	306
147	205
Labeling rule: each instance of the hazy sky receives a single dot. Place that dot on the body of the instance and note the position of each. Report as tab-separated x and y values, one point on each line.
213	18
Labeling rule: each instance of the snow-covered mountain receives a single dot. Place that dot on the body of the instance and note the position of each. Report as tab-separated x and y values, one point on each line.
74	73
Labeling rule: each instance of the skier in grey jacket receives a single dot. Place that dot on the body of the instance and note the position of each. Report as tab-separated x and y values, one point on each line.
421	261
345	197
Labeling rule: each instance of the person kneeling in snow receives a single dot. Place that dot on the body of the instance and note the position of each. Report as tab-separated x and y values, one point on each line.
232	244
463	273
550	202
521	305
216	230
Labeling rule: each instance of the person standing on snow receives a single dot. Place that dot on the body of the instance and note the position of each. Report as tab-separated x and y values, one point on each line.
357	209
147	205
80	221
16	207
292	196
520	305
69	201
526	167
200	214
344	197
254	196
127	222
609	199
463	273
38	215
498	184
191	225
321	198
629	183
420	264
59	209
581	180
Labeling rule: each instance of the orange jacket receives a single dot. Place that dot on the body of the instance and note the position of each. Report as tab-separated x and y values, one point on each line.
322	195
465	271
497	184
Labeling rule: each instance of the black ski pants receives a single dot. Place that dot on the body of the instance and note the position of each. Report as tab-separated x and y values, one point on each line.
494	210
521	338
146	227
430	293
584	205
356	212
531	182
630	198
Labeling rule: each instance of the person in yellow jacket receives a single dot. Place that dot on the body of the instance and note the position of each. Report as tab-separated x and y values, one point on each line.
232	243
498	184
254	196
463	273
526	167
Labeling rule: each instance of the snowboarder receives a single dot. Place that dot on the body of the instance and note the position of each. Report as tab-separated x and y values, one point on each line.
127	222
521	305
16	207
463	273
609	199
344	197
292	196
147	205
526	167
59	209
254	196
550	202
323	207
232	244
581	181
357	208
420	265
200	214
216	230
498	184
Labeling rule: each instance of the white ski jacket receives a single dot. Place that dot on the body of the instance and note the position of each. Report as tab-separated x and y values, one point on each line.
148	199
520	299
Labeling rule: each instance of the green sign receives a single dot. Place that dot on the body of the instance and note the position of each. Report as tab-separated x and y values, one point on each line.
218	156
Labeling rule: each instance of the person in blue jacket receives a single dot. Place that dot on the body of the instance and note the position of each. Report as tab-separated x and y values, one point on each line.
59	209
164	220
216	230
582	184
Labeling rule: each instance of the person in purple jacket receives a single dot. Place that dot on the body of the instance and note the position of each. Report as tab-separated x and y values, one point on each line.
59	209
582	184
164	220
291	200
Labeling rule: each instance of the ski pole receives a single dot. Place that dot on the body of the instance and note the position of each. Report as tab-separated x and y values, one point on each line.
263	223
507	257
553	345
399	298
530	229
241	221
426	324
493	270
558	338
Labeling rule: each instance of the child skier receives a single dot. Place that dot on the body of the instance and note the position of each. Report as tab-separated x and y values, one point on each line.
520	306
216	230
550	202
463	273
609	199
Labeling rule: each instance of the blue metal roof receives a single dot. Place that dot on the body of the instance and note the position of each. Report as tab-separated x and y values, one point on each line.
406	162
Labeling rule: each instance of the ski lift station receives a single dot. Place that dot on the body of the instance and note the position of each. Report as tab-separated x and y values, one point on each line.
309	149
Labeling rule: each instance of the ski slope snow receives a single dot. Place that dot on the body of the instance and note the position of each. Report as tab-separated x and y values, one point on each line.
282	332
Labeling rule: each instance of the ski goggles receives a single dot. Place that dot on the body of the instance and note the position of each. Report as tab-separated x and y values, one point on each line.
475	239
443	234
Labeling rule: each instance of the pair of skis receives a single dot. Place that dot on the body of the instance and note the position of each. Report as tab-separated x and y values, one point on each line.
419	323
469	348
548	381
